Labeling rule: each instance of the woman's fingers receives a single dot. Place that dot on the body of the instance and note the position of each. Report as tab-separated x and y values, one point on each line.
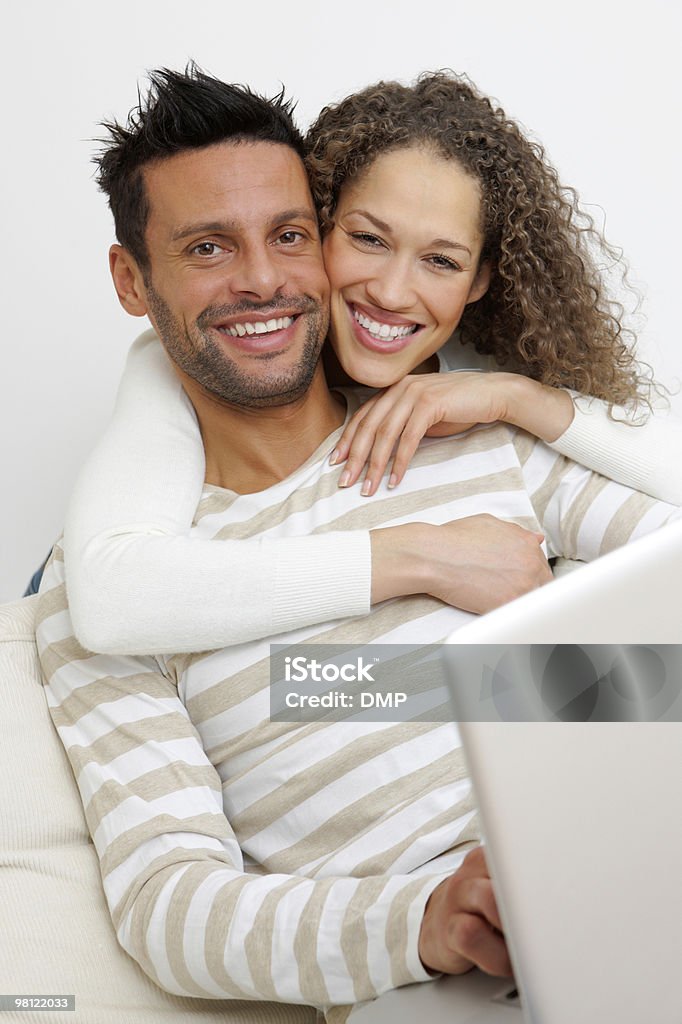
415	429
402	429
373	443
397	419
370	439
343	445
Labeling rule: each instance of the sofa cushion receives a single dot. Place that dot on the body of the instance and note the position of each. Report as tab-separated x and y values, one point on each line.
56	936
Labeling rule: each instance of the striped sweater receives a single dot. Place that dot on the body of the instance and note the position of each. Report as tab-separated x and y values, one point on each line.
248	859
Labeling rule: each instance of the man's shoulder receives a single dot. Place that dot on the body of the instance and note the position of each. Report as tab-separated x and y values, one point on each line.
484	437
52	598
57	643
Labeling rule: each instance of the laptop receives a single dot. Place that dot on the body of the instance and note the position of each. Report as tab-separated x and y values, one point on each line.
582	819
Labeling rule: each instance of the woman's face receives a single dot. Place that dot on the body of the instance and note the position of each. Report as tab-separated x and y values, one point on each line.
403	262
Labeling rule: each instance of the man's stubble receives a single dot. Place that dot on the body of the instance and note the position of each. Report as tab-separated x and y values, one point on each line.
195	352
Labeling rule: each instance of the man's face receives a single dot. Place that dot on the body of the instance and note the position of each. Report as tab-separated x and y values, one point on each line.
236	288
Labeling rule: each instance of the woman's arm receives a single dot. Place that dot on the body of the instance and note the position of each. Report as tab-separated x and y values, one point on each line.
137	583
645	457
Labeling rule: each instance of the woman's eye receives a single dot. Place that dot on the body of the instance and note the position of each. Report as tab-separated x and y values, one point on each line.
206	249
443	262
366	238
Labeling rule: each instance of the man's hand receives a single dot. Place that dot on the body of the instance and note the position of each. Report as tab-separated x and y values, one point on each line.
461	927
476	563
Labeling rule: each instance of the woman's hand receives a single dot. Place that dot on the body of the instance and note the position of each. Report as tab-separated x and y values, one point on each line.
438	405
476	563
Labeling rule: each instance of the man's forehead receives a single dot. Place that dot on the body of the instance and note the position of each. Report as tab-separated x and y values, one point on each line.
238	182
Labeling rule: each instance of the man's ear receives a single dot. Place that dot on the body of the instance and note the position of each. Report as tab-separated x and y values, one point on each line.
128	281
481	282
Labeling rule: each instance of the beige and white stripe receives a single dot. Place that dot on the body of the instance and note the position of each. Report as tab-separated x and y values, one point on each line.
248	859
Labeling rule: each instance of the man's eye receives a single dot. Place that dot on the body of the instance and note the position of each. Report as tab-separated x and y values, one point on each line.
206	249
290	237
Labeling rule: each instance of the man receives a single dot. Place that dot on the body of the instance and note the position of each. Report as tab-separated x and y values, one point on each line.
243	858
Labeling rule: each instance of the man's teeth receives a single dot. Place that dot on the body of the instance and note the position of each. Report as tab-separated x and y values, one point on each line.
378	330
259	326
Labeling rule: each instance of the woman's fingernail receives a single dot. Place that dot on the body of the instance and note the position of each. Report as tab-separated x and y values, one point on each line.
366	488
392	481
344	479
334	457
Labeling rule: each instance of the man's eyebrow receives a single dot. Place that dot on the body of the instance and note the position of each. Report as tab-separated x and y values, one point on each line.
441	243
208	227
300	213
227	226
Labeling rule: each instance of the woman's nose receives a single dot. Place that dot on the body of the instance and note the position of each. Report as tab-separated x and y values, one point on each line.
392	286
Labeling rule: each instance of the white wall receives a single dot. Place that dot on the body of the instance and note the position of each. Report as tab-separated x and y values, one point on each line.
598	82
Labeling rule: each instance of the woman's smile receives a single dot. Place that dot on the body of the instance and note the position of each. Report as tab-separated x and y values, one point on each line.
379	329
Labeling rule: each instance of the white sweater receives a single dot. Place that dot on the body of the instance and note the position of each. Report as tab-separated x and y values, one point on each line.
138	584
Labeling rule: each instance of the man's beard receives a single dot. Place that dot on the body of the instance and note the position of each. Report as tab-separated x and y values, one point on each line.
195	351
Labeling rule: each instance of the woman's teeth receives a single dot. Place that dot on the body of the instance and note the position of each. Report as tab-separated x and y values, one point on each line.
258	327
378	330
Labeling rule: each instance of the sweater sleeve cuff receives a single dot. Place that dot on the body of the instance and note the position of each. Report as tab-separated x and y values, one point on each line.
328	574
416	968
605	445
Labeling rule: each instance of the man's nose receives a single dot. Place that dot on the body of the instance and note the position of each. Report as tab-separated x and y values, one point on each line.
258	273
392	285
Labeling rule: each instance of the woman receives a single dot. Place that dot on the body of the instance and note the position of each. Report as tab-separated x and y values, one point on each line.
437	214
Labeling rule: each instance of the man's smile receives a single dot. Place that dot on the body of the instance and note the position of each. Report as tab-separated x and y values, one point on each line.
258	326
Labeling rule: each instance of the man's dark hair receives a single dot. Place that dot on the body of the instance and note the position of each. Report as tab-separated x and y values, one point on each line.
181	110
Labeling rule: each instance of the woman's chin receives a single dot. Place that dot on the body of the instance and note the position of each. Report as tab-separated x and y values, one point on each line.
382	371
372	373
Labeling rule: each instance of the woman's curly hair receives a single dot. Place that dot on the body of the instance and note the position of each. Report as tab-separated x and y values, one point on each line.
546	312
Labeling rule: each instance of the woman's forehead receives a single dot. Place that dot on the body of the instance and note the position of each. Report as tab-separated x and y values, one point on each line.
415	189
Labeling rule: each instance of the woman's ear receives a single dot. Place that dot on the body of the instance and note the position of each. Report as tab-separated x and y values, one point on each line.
128	281
481	282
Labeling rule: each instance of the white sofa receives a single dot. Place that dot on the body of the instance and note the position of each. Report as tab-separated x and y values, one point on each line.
56	937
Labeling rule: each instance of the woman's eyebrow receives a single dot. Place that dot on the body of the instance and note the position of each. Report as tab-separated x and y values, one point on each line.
440	243
445	243
374	220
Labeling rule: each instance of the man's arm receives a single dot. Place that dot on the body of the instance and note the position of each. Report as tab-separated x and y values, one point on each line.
172	869
585	515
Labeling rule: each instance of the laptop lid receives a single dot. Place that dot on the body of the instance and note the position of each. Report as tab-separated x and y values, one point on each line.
583	819
631	595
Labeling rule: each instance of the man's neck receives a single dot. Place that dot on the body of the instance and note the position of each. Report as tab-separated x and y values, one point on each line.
248	450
